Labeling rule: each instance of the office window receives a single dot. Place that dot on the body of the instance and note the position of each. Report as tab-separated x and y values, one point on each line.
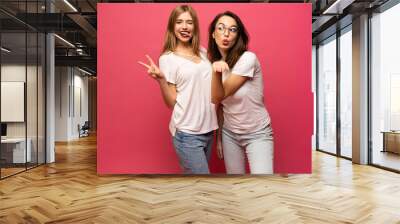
385	88
13	148
22	91
346	92
327	95
31	101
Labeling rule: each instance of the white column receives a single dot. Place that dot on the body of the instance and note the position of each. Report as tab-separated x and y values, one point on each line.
50	92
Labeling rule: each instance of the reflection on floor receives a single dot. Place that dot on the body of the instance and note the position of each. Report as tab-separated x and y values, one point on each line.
387	159
346	152
10	169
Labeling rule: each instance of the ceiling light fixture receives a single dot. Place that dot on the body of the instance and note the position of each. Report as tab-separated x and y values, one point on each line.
84	71
70	5
337	7
5	50
64	40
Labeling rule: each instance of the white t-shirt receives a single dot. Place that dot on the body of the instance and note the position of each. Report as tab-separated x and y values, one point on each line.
193	113
244	111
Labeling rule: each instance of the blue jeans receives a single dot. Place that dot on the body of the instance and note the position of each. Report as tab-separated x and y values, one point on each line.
194	151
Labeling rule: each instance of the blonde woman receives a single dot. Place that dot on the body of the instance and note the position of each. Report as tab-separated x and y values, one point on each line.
184	75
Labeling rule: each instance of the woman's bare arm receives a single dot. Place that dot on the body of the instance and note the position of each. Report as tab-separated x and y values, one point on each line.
168	90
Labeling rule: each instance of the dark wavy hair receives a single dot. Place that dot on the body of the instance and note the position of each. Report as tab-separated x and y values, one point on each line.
236	50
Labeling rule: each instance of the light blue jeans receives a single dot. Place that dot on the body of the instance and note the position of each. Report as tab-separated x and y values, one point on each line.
257	146
194	151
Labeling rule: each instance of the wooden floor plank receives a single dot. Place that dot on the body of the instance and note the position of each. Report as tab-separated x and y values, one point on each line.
70	191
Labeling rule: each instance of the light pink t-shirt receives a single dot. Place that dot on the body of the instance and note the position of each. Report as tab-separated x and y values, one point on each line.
244	111
193	113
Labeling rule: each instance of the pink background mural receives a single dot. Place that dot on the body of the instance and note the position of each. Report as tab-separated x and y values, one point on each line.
133	136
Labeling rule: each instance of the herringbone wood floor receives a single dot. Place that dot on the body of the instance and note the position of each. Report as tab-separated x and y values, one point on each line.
70	191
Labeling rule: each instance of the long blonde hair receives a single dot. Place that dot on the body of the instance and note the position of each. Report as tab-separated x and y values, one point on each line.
170	41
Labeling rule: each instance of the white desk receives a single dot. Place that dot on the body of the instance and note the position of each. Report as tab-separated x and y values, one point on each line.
18	150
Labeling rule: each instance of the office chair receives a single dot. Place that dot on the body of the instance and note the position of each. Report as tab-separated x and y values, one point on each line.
84	130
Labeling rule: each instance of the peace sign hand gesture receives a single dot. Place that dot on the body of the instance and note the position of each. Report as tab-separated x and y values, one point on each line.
152	69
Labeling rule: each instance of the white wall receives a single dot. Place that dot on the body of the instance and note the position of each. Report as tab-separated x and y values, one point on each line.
17	73
12	73
71	93
61	103
79	117
12	101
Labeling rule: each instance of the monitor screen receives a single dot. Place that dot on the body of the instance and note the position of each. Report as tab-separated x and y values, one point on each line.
3	129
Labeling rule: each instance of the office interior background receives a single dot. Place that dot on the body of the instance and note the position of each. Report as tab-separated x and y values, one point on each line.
48	82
